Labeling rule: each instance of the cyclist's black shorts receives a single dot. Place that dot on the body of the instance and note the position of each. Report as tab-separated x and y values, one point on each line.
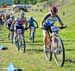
47	28
20	27
9	25
31	25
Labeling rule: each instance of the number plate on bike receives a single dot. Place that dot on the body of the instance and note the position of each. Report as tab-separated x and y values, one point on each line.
32	28
19	31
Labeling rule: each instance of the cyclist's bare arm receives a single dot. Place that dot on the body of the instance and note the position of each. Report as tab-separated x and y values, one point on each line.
43	20
13	23
25	24
36	23
60	22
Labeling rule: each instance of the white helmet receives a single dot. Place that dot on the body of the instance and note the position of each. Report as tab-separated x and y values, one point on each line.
21	13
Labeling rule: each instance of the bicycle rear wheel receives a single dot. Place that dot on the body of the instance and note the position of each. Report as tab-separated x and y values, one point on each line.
59	52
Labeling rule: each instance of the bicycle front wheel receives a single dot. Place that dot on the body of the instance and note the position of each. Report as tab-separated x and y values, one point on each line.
48	56
23	46
59	52
17	43
33	37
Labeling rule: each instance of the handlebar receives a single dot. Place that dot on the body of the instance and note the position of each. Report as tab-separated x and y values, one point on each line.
63	27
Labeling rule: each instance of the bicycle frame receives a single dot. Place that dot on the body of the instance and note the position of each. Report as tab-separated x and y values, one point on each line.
54	35
32	31
55	42
32	34
20	40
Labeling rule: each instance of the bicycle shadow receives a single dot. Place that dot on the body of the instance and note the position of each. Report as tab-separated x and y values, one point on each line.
35	50
68	40
35	44
36	41
3	41
69	49
40	41
70	61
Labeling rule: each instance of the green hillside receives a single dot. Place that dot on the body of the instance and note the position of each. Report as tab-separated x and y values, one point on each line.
33	59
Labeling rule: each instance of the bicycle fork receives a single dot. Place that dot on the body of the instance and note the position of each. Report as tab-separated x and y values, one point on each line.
32	32
54	43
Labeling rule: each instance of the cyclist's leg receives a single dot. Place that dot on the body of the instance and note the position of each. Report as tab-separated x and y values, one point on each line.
23	32
9	31
8	34
45	40
15	33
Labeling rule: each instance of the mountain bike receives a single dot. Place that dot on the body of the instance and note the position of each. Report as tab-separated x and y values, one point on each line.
11	35
19	40
32	34
56	47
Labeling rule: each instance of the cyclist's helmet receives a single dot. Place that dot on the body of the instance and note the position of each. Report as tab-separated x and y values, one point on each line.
21	13
11	16
30	17
53	9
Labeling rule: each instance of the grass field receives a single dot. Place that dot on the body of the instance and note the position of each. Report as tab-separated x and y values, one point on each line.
33	59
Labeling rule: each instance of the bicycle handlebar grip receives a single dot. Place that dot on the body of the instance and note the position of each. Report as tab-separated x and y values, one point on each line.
64	26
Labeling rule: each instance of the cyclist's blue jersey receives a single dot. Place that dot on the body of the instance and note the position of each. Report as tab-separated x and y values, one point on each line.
49	21
31	22
20	21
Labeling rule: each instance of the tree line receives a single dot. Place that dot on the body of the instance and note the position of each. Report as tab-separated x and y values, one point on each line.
27	1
